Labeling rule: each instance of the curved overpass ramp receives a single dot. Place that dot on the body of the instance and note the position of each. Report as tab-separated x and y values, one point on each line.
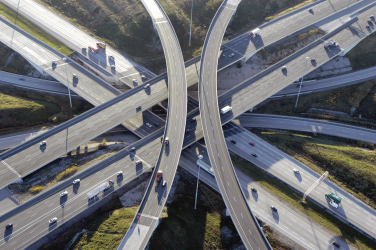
151	207
225	175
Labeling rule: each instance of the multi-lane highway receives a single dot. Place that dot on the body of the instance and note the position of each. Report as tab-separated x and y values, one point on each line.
152	204
306	125
231	191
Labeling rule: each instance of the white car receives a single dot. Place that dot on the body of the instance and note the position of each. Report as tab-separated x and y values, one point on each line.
330	43
64	193
147	86
143	76
138	162
333	204
283	67
53	220
164	183
231	55
43	143
75	76
119	173
149	125
111	57
135	81
296	171
76	181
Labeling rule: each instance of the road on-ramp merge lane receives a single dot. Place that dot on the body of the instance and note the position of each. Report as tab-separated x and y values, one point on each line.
231	191
152	204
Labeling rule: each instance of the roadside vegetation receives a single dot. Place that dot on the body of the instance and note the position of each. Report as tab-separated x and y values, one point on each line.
351	164
33	30
21	108
363	55
126	25
309	209
360	96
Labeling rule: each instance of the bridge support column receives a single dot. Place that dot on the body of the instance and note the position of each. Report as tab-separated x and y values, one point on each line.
86	147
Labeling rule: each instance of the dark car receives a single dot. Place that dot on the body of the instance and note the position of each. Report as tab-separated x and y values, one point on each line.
156	124
369	21
253	189
367	27
9	225
22	79
313	59
299	85
251	143
274	208
254	155
336	244
234	142
193	119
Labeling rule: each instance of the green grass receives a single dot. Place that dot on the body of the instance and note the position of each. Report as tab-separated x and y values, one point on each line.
349	166
362	96
33	30
269	18
363	55
66	172
309	209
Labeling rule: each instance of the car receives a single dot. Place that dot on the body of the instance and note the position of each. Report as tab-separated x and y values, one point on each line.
113	66
53	220
274	208
367	27
138	107
95	50
164	183
54	62
9	225
310	10
156	124
166	141
369	21
254	155
21	78
223	55
330	43
313	59
64	193
138	162
135	81
296	171
254	189
149	125
111	57
75	76
147	86
43	143
251	143
336	244
233	141
133	149
119	173
102	45
143	77
283	67
333	204
231	55
193	119
76	181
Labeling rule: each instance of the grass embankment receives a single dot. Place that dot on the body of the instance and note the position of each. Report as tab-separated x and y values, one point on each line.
33	30
363	55
106	227
312	211
349	165
269	18
362	96
21	108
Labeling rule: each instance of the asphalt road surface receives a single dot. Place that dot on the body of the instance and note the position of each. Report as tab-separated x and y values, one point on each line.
171	145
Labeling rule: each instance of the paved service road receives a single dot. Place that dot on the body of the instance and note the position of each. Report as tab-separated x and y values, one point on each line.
156	194
231	191
306	125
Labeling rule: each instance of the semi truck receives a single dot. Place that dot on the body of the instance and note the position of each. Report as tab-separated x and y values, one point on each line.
254	32
335	199
226	109
102	187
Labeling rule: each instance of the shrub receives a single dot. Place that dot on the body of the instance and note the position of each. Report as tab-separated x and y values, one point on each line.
67	172
35	189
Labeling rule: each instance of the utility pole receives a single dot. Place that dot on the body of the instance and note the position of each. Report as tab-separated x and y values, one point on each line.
190	30
300	86
66	72
198	178
15	22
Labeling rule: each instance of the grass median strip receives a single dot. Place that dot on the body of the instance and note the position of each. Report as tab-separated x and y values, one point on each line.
33	30
310	210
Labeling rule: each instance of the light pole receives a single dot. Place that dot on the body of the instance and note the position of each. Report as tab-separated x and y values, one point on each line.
190	30
300	86
198	177
66	72
15	22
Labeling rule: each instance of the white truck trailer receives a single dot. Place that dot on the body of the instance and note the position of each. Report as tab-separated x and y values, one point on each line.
254	32
102	187
226	109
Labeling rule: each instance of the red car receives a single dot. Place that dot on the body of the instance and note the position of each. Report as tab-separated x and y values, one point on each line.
251	143
166	141
93	49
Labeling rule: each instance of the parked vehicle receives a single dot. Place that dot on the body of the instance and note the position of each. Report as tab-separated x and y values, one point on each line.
254	32
102	187
226	109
